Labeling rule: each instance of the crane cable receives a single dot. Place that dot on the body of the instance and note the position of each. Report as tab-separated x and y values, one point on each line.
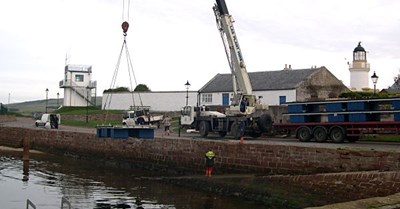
123	10
125	27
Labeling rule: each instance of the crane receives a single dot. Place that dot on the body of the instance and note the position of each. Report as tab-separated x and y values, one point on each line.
245	115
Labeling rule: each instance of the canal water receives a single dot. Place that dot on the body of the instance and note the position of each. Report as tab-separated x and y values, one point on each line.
46	178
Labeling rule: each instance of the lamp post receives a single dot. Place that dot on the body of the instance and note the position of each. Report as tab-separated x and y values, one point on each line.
87	103
58	96
187	85
47	94
374	78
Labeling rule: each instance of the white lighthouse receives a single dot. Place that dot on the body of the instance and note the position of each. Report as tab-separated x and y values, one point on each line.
359	69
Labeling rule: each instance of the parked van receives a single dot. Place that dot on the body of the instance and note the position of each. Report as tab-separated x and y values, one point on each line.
49	120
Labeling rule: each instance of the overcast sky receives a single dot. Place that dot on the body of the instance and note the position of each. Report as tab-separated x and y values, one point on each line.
172	41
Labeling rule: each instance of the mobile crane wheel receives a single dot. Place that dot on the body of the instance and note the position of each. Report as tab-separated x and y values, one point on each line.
235	130
204	128
265	123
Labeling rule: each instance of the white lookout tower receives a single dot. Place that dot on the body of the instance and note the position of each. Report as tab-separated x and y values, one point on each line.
359	69
78	86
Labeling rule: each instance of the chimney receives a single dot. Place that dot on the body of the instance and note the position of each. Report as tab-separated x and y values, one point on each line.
287	68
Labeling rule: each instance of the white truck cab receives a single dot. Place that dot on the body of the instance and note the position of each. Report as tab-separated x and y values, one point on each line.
141	117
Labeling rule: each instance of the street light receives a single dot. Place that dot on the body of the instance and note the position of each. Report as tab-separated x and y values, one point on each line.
47	94
87	103
374	78
58	95
187	85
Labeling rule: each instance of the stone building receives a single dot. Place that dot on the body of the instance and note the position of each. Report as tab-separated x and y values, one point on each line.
277	87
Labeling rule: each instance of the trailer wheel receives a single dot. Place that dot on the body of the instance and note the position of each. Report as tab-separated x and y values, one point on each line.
235	130
222	133
303	133
320	134
204	128
337	134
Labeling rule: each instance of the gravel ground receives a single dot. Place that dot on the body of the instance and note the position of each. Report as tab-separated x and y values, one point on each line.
159	133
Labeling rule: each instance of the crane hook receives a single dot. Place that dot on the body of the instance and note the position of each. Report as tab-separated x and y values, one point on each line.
125	26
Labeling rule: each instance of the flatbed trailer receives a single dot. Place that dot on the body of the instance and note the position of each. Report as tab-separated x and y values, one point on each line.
337	132
341	120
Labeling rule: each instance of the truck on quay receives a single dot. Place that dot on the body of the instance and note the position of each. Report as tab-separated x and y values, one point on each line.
140	115
341	120
246	115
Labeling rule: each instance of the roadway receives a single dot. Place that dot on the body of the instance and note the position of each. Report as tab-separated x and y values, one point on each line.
159	133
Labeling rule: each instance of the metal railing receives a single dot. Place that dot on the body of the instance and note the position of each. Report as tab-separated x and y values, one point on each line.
82	91
64	201
29	203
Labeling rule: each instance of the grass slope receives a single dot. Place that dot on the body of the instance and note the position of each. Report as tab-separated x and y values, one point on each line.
29	108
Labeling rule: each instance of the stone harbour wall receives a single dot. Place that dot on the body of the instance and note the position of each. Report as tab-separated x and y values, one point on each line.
187	155
91	117
334	172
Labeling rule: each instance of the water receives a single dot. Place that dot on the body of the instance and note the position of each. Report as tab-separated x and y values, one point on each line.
45	179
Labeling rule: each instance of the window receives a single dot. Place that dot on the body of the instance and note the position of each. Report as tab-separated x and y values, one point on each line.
78	78
206	98
186	111
359	56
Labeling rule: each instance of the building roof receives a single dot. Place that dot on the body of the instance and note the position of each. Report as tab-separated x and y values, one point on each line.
359	48
263	80
395	88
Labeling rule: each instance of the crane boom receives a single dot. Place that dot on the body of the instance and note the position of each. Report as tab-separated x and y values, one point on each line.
240	78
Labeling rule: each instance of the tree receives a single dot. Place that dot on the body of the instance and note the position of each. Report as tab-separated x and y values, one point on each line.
3	109
142	87
118	89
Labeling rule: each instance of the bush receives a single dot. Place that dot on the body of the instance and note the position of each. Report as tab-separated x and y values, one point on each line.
363	95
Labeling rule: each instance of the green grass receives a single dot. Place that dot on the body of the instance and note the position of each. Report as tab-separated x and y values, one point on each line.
82	111
28	108
391	138
90	124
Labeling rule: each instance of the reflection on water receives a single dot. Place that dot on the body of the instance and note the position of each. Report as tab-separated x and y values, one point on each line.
45	179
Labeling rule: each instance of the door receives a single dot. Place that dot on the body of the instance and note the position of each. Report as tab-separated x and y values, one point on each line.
225	99
282	100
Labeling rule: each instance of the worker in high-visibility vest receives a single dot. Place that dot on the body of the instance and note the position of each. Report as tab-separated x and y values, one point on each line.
209	162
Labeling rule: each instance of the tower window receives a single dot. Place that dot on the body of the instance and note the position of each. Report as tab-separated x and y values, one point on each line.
78	78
